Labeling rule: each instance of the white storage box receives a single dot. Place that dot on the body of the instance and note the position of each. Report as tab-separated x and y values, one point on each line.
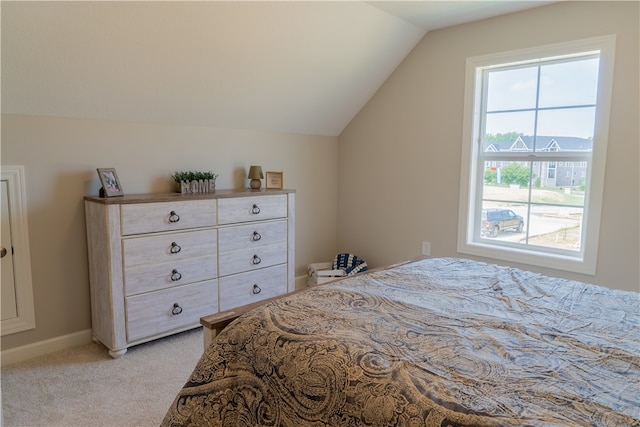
321	272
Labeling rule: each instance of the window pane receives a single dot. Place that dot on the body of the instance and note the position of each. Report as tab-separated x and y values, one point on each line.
555	227
569	83
512	89
506	181
520	123
504	222
559	183
550	214
536	225
571	122
504	193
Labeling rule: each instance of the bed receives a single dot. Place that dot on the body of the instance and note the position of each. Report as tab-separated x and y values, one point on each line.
431	342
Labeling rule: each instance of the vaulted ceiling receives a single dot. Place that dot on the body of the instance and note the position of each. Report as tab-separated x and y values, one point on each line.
299	66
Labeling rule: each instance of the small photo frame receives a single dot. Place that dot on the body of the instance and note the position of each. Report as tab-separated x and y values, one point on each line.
110	184
274	180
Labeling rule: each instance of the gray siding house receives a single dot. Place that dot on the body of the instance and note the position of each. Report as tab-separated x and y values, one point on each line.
551	174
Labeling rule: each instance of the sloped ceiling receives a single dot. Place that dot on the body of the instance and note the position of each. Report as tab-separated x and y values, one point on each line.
302	66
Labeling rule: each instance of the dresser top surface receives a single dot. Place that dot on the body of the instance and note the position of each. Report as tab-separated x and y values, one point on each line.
174	197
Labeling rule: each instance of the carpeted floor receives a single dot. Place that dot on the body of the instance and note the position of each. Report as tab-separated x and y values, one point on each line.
83	386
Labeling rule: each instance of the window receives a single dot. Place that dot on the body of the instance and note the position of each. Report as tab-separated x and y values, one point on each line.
535	138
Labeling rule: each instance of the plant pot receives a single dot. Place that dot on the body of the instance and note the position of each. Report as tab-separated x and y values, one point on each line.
200	186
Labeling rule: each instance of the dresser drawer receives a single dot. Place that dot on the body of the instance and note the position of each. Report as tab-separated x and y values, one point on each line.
252	258
152	277
251	236
153	313
168	247
166	216
244	209
247	288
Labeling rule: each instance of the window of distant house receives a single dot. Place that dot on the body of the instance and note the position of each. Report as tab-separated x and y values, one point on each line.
535	139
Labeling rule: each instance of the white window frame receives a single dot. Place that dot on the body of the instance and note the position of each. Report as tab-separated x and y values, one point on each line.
469	240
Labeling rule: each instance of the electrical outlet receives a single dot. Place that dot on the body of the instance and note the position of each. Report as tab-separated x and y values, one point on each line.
426	248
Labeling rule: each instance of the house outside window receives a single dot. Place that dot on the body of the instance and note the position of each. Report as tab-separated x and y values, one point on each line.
535	129
551	173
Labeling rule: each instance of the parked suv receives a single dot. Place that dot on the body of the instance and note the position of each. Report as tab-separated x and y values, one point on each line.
497	220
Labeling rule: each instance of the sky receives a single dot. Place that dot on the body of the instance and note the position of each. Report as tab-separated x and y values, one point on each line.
568	94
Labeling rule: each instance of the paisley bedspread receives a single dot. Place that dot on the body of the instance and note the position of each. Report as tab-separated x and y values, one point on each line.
435	342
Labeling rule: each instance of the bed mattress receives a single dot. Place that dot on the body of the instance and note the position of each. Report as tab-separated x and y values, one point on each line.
435	342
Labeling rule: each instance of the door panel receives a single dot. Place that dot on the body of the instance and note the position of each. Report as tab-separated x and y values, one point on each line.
18	312
9	306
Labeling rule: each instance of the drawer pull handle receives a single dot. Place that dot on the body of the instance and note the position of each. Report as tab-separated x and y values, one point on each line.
176	309
256	236
256	289
174	217
255	210
256	260
175	248
175	276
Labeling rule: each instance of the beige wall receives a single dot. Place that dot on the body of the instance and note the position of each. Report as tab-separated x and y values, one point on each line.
60	157
389	182
400	157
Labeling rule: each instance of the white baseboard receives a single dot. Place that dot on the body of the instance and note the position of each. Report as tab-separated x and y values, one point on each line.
18	354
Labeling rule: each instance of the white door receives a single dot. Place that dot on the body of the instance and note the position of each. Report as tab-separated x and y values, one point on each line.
18	312
8	297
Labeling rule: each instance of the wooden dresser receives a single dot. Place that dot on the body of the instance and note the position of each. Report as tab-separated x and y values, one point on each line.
160	262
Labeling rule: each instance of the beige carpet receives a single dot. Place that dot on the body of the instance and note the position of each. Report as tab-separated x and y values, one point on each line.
83	386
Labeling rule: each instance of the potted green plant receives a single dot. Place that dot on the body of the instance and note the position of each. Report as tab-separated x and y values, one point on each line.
195	182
